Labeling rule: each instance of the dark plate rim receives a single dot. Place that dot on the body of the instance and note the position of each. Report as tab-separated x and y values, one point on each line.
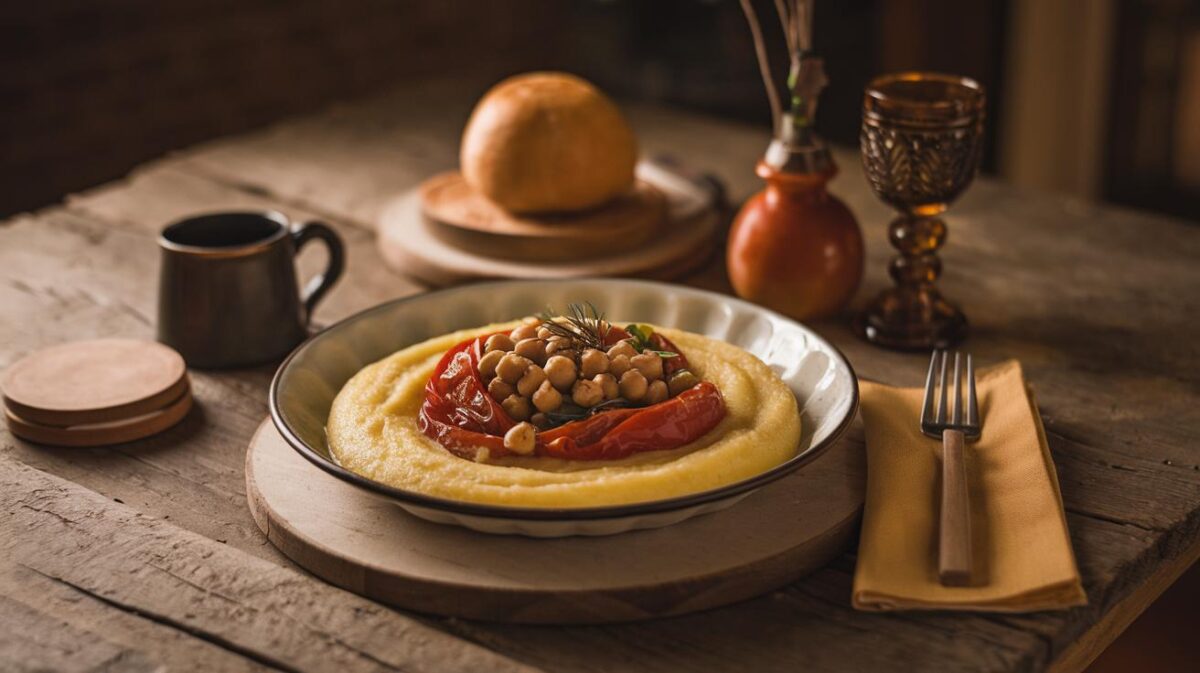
544	513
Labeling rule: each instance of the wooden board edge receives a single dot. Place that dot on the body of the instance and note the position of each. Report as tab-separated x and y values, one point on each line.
1088	646
627	604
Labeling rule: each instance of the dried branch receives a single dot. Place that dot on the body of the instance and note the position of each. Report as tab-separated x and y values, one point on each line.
802	21
785	19
764	66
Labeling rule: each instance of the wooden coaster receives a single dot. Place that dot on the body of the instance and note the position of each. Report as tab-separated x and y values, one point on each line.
102	434
462	217
370	546
411	245
89	382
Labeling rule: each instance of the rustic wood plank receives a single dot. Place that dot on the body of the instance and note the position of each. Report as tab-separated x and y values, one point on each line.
32	641
272	615
1105	484
76	226
809	626
1080	653
48	625
1096	302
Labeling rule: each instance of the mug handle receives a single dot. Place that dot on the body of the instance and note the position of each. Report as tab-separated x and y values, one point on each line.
320	284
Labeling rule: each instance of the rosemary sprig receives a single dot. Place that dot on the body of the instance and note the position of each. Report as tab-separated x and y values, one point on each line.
582	323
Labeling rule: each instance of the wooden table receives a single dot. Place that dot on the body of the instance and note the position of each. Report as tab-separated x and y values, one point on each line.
135	556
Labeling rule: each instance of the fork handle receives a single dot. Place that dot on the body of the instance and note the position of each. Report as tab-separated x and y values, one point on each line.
954	545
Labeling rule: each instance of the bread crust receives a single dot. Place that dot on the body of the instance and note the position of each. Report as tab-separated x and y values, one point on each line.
548	142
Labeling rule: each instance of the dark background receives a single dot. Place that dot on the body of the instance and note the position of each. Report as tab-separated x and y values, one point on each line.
89	89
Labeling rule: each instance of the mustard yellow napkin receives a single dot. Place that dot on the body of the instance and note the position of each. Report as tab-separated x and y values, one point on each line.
1022	553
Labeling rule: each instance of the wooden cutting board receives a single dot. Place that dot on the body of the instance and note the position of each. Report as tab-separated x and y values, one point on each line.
412	244
463	218
370	546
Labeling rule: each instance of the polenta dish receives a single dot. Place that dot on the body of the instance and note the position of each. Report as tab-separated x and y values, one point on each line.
562	411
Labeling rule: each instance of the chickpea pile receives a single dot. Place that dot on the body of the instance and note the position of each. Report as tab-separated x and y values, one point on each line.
533	372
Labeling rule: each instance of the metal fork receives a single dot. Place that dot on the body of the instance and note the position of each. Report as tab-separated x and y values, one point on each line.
954	543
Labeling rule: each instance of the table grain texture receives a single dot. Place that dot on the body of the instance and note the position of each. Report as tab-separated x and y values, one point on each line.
144	555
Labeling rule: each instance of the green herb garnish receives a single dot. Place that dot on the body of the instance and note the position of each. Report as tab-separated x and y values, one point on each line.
582	323
640	339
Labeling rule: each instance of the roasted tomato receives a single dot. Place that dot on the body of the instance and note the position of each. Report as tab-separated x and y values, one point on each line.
460	415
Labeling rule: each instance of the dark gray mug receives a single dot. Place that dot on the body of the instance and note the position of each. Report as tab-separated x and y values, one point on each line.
227	294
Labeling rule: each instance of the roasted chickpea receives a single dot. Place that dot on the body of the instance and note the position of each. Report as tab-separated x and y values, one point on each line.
525	331
544	332
534	349
531	380
555	344
649	364
498	342
587	393
512	367
656	392
608	384
623	348
499	390
561	372
540	421
593	362
521	439
617	366
487	363
517	407
547	397
680	381
633	385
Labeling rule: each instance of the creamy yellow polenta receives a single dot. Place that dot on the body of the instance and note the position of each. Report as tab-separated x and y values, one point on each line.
373	431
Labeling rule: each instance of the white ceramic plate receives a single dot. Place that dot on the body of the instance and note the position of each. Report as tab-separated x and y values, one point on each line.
306	383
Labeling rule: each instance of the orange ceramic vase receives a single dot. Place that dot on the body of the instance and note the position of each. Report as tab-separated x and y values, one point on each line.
794	247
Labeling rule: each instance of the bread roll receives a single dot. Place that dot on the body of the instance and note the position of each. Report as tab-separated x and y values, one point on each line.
547	141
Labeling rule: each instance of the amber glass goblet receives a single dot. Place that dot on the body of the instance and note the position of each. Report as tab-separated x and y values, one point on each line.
921	141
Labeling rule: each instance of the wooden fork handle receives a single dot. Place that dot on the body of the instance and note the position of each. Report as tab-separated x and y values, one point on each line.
954	545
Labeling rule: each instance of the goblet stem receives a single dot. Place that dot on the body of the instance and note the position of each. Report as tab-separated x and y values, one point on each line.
918	239
913	315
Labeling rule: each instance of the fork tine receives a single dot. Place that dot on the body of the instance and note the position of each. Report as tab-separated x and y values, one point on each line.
958	403
972	399
941	412
927	404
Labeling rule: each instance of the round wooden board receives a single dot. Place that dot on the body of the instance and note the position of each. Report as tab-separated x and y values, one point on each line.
372	547
102	434
411	244
89	382
623	224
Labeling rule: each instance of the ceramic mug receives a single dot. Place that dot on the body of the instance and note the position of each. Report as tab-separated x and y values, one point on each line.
228	294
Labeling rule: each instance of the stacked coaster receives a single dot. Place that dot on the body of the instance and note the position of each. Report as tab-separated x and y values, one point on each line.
92	393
